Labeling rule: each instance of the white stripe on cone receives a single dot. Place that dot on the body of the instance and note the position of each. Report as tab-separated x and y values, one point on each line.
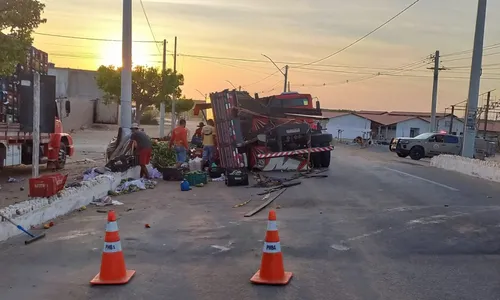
272	226
112	247
111	226
271	247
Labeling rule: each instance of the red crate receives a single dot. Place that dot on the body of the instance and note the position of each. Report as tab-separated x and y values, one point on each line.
47	185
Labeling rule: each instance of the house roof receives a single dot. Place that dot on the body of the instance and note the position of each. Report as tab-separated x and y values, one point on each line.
493	126
388	119
416	114
334	114
372	112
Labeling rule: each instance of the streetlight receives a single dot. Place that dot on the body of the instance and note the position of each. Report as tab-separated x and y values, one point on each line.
239	89
203	95
279	69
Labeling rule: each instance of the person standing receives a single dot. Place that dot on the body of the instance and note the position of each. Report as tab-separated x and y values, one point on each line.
179	141
143	147
208	132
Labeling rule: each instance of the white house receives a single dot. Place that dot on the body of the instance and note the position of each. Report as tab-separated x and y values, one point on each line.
347	126
412	127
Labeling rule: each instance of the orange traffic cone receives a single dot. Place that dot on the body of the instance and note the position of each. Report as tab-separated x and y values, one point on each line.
113	269
271	268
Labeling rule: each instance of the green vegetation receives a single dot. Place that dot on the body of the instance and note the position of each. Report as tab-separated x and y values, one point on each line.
148	88
18	20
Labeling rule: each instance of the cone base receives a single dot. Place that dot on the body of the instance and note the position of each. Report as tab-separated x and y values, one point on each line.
123	280
280	281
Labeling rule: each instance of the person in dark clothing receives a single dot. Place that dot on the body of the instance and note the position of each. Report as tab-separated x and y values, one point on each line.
143	148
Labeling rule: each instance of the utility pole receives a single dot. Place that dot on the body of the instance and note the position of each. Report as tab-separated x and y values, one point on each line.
452	117
279	69
286	78
174	95
289	86
35	156
468	149
162	104
126	80
487	110
436	69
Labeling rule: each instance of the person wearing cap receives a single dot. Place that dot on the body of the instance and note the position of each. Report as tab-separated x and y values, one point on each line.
143	148
197	138
179	141
209	141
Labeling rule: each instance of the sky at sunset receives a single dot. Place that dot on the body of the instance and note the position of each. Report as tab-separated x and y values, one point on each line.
226	34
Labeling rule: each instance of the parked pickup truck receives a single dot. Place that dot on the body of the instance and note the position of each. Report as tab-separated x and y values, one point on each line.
431	144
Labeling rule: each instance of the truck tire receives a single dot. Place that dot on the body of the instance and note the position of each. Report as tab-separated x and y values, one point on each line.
417	153
325	158
61	158
402	155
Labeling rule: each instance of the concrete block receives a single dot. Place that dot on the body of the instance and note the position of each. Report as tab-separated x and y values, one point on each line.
488	170
40	210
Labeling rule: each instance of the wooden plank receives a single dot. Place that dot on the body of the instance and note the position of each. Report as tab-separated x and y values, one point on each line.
263	205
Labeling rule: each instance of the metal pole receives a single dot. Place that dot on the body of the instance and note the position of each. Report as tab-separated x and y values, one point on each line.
452	117
289	86
174	95
475	81
162	104
486	114
126	80
286	78
35	170
435	92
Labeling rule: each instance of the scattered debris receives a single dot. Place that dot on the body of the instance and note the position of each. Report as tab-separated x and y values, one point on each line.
340	247
263	205
242	204
131	185
13	180
105	201
82	208
284	185
102	211
48	225
147	225
223	248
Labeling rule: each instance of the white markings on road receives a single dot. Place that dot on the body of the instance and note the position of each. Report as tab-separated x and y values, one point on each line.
423	179
359	237
340	247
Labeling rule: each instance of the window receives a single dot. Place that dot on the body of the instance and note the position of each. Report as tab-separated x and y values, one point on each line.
450	139
437	138
289	102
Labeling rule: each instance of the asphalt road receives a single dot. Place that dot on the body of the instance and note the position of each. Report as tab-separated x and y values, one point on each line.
373	229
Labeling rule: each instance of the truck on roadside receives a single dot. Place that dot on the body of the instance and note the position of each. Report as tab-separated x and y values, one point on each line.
280	132
435	143
16	116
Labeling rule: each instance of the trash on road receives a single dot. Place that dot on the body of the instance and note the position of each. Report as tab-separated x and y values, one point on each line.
105	201
263	205
131	185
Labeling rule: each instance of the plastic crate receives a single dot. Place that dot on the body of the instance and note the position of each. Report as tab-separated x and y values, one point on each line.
172	174
47	185
197	178
216	172
236	180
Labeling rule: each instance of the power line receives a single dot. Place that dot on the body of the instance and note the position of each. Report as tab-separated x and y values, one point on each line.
150	28
86	38
489	47
364	36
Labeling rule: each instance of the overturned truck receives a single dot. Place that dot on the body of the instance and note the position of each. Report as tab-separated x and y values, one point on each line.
282	132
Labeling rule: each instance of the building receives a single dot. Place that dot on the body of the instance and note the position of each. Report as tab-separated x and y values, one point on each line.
79	87
385	125
347	126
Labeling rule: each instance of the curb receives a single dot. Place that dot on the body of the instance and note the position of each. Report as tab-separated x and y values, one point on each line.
40	210
488	170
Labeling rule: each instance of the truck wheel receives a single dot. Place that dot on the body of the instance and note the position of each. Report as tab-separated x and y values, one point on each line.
316	160
402	155
417	153
325	158
61	158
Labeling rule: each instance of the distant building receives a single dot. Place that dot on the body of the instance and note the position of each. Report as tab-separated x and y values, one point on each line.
384	126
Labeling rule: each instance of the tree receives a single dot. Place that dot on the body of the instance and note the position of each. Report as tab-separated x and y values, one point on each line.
148	88
18	20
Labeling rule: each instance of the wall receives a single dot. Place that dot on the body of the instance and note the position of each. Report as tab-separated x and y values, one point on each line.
489	170
79	87
37	211
443	124
352	125
403	128
106	113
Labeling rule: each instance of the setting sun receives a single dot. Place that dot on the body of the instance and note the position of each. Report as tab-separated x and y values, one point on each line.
142	54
